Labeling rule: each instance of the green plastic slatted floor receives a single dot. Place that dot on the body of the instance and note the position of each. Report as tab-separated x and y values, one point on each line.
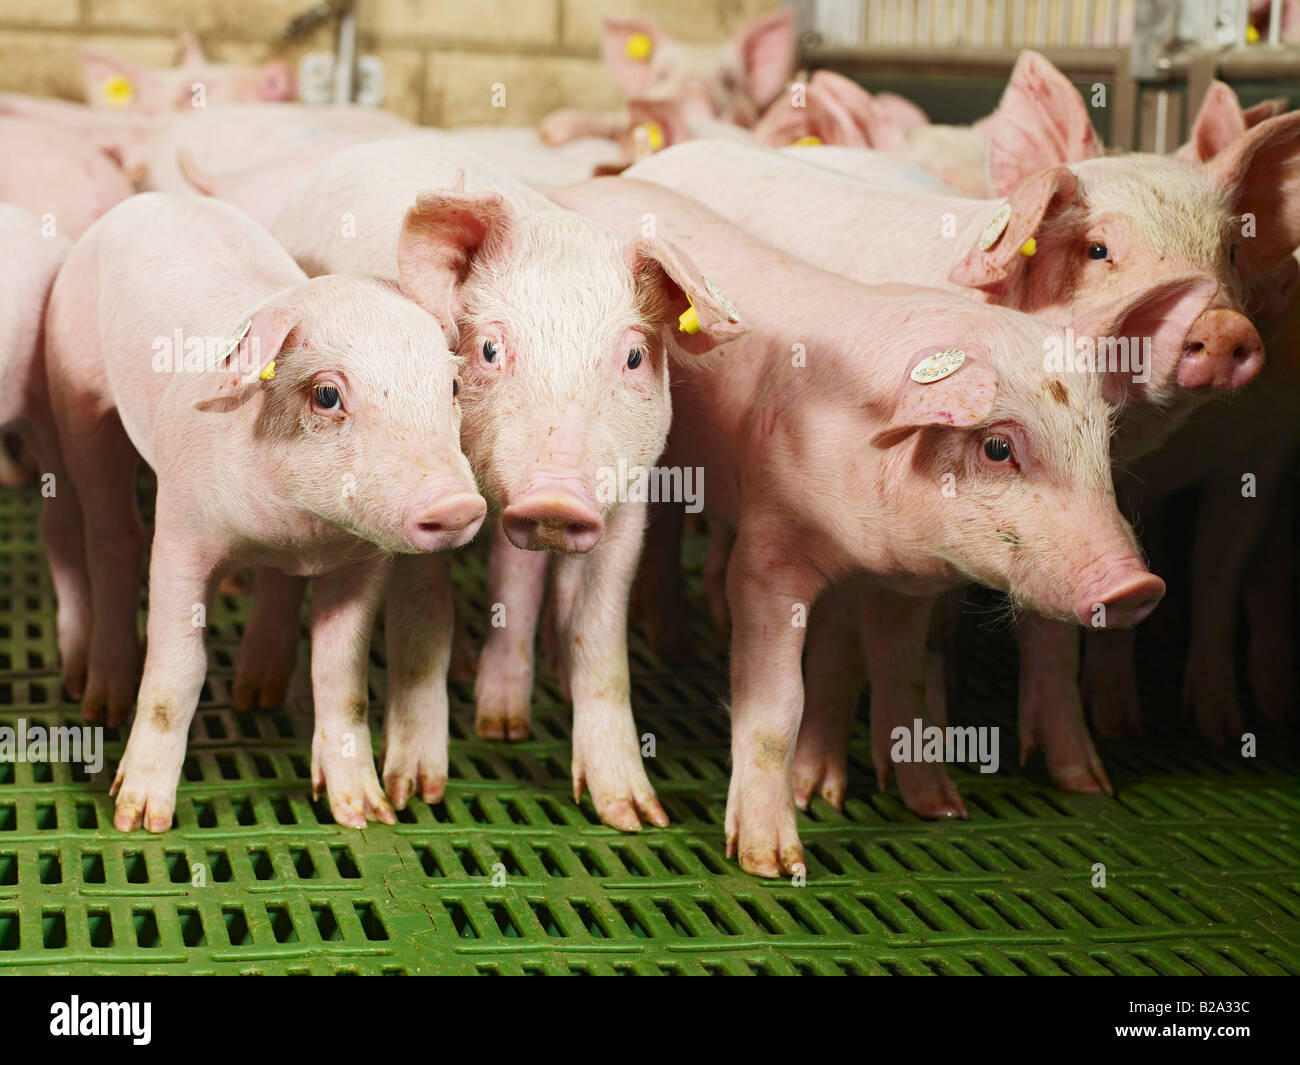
1202	849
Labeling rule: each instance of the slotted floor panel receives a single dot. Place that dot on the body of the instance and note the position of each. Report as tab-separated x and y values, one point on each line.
1201	847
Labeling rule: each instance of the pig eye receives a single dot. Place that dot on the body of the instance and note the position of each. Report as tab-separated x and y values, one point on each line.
491	350
327	398
998	448
1098	250
455	387
634	358
1232	254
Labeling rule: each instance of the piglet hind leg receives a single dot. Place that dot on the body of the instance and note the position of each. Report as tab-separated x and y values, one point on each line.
269	648
503	688
770	598
65	551
894	631
591	603
268	651
180	589
420	617
343	609
1050	707
834	679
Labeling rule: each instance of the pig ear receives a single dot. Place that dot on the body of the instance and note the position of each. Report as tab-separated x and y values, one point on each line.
767	48
902	114
109	79
250	363
1261	172
962	400
653	125
679	286
1264	110
442	236
632	72
821	116
189	52
1041	121
1219	122
1037	199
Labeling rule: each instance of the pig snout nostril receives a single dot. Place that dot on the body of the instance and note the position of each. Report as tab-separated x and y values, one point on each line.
449	521
1223	352
552	520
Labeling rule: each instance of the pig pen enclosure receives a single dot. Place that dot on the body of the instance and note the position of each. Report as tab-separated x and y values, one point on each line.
1192	867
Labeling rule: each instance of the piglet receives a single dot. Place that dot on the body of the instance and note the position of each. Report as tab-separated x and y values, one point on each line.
306	426
905	438
33	255
561	324
56	175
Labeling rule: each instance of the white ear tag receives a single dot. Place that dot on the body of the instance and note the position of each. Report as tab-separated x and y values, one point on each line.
938	366
721	297
996	226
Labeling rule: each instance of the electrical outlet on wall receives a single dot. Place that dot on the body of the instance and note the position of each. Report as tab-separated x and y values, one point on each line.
316	79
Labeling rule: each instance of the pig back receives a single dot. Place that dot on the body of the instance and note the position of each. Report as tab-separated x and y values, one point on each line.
176	277
346	215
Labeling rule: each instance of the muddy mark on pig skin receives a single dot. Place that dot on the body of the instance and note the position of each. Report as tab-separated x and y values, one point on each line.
357	711
162	715
770	752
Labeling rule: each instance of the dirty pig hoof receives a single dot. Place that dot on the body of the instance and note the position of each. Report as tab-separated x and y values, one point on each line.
352	788
144	800
502	708
822	772
622	795
929	792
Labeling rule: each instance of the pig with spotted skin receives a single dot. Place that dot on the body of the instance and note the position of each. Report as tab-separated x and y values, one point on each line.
300	448
1154	234
829	468
561	324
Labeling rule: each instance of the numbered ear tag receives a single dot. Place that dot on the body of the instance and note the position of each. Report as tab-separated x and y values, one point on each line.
639	46
231	344
118	90
997	225
938	366
721	297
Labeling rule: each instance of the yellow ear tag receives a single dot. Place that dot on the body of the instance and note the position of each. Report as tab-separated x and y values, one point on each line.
639	46
808	141
654	135
689	320
118	90
1029	247
1252	35
268	372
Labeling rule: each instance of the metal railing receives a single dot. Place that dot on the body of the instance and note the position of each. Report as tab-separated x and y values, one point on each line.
1159	56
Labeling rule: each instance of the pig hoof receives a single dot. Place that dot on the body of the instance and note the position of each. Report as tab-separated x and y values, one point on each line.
619	796
352	787
143	804
929	792
501	706
263	676
760	824
819	772
109	700
1073	763
407	774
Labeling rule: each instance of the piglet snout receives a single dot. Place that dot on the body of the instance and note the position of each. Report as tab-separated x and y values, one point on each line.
1127	596
1223	351
552	518
449	520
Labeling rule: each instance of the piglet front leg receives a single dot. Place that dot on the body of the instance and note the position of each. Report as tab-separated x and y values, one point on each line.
591	607
503	688
769	596
420	619
343	609
1050	708
181	579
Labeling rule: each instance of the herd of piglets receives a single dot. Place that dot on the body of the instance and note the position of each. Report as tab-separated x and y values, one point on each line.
343	343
